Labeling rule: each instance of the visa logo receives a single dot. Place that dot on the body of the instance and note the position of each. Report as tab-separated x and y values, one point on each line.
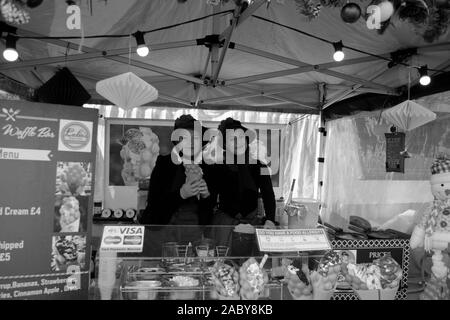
131	230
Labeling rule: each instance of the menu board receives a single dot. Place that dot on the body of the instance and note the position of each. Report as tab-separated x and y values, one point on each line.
395	144
47	164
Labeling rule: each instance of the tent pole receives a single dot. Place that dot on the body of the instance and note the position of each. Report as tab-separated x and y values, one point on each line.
244	16
320	147
198	89
227	39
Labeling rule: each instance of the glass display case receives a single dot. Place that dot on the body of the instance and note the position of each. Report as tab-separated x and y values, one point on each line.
196	263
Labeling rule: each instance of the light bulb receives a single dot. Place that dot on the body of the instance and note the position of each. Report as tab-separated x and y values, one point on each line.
338	53
424	77
10	54
425	80
142	51
338	56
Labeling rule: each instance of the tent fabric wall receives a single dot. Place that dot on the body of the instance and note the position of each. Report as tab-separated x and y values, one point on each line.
355	181
298	151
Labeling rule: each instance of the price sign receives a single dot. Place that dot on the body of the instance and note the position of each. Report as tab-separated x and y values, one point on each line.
292	240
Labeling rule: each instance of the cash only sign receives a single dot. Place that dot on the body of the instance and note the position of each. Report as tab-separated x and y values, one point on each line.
47	169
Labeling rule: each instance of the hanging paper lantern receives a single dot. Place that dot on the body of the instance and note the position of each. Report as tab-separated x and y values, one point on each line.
386	10
63	88
408	115
127	90
350	13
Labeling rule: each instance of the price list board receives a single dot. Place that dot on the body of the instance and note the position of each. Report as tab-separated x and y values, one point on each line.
292	240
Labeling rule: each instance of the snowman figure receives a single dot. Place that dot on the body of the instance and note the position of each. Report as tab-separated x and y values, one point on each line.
433	232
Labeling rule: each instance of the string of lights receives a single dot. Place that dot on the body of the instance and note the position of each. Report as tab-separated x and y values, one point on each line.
10	53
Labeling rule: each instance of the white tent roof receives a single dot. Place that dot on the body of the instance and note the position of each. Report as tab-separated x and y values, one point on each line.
172	70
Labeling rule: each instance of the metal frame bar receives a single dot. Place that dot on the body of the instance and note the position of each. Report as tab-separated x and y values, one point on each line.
275	97
302	64
123	60
91	55
199	88
251	9
227	38
256	93
343	93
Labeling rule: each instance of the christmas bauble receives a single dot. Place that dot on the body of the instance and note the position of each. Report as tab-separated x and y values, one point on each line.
386	10
350	13
34	3
443	3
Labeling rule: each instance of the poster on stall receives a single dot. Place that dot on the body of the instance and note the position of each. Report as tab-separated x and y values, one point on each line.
47	159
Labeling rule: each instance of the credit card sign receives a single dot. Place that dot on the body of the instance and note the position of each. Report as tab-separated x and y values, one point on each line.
123	238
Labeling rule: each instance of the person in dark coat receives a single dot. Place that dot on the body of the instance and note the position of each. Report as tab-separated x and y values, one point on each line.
179	186
237	183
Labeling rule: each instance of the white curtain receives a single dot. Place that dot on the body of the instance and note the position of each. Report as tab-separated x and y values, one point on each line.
298	150
355	179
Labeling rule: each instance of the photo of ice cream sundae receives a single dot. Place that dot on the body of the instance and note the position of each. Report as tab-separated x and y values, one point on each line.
140	149
68	250
70	215
73	178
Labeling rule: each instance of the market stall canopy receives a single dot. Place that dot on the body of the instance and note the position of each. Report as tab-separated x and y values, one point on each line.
265	66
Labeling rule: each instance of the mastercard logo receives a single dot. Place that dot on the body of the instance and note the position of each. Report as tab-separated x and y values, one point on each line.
132	240
112	240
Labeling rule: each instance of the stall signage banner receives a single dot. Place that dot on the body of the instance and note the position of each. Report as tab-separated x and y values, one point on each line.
292	240
123	238
47	169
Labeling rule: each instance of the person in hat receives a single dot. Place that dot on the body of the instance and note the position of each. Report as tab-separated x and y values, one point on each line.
237	184
179	185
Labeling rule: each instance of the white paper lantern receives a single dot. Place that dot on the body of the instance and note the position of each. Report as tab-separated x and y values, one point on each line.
408	115
127	90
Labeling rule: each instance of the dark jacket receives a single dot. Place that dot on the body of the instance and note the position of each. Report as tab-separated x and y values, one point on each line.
238	187
164	193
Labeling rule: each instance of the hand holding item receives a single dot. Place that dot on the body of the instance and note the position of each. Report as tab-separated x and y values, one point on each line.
190	189
204	192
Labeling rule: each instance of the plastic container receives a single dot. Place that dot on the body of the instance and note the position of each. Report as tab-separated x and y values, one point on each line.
303	214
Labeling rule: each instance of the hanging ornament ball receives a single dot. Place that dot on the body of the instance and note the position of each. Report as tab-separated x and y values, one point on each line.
34	3
350	13
443	3
386	10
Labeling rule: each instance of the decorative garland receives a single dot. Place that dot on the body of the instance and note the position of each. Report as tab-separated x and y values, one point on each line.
430	18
